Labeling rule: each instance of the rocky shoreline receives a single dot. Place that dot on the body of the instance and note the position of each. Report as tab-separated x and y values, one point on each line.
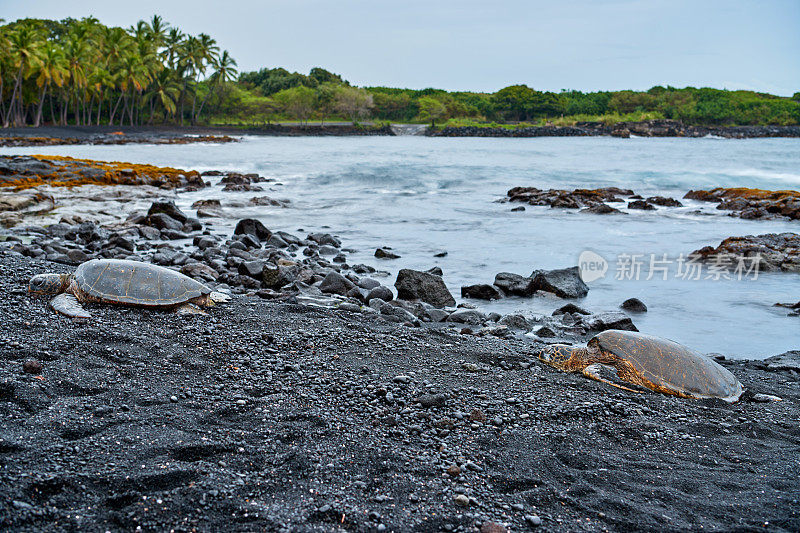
650	128
56	135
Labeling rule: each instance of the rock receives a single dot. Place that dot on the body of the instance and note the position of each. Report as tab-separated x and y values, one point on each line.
32	366
432	400
481	292
517	322
518	209
201	271
515	284
533	520
467	316
752	203
384	253
765	398
665	202
545	332
382	292
266	200
335	283
163	221
325	238
461	500
253	269
493	527
254	228
770	252
786	361
564	283
429	288
641	204
440	254
571	308
610	320
277	242
635	305
602	209
368	283
168	208
436	271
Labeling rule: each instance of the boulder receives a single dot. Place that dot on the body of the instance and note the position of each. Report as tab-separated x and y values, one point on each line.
335	283
515	284
253	227
610	320
384	253
641	204
325	238
164	221
467	316
564	282
481	292
634	305
786	361
382	292
168	208
417	285
518	322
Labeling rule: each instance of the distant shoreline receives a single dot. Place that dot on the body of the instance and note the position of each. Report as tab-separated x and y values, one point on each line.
64	135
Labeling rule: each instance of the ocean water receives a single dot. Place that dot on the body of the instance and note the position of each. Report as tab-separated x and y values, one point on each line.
421	196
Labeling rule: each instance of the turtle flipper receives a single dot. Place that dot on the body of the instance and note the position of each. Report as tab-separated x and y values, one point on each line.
68	305
593	372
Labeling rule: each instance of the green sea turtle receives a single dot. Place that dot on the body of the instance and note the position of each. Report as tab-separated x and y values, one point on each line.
658	364
122	282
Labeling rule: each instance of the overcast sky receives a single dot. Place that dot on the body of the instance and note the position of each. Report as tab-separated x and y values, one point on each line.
488	44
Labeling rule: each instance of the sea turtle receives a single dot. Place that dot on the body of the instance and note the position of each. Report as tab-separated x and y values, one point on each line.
122	282
651	362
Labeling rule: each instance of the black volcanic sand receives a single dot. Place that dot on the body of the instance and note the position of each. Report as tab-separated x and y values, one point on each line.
269	416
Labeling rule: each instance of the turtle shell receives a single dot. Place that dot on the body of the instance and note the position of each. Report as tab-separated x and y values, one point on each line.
671	365
136	283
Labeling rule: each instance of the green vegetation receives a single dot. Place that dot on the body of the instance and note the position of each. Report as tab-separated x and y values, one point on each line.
82	72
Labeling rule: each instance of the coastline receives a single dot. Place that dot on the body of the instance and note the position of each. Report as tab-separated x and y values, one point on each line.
167	134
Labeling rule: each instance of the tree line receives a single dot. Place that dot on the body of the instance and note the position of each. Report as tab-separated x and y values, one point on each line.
83	72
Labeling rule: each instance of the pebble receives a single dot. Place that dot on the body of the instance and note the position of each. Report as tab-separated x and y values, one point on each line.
461	500
533	520
32	366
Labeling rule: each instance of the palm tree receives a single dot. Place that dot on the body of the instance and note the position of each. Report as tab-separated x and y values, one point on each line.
24	45
164	89
51	70
224	71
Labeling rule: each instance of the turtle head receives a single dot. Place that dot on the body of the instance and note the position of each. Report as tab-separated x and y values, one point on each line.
556	355
48	284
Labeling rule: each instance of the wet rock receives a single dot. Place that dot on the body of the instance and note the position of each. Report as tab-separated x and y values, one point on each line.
163	221
665	202
752	203
200	271
266	200
493	527
514	284
254	269
168	208
564	282
385	253
481	292
642	205
770	252
601	209
440	254
432	400
517	322
571	308
325	238
382	292
467	316
545	332
786	361
253	227
335	283
609	320
429	288
635	305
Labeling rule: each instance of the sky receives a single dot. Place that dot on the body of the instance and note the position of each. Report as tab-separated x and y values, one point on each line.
489	44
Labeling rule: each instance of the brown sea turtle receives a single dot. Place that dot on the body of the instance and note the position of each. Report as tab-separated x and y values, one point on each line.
658	364
122	282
